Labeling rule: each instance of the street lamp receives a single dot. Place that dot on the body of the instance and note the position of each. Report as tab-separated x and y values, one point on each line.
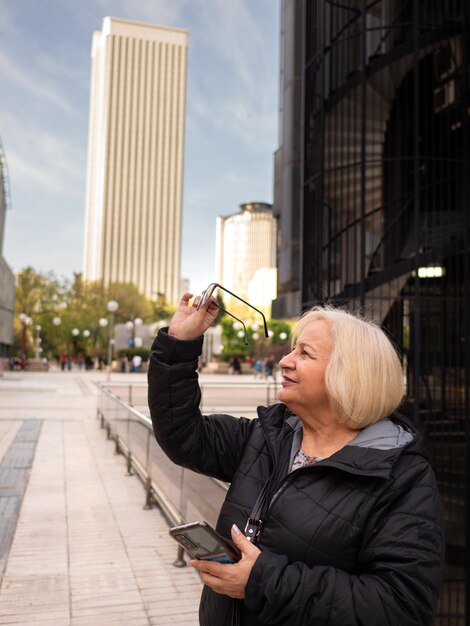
75	334
38	340
112	306
103	322
25	322
132	325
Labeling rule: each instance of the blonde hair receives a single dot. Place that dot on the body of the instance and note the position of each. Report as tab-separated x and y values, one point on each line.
364	377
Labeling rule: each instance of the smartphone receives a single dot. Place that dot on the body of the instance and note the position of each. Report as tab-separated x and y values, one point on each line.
201	541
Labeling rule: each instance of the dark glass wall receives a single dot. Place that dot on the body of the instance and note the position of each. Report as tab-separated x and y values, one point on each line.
385	212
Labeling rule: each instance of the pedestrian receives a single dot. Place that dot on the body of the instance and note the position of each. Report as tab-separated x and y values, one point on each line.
235	367
259	368
124	363
136	363
269	366
332	502
63	360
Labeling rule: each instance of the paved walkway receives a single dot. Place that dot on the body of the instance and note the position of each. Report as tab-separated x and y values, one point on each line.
81	551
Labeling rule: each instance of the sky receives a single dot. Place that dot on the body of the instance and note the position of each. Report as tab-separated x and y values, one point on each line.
231	120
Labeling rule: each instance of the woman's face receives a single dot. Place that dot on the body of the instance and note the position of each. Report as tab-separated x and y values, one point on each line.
303	386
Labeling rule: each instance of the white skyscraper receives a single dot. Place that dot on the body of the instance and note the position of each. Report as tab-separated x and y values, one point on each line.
245	244
135	156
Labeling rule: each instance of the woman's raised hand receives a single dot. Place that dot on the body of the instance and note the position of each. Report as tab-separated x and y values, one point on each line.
188	322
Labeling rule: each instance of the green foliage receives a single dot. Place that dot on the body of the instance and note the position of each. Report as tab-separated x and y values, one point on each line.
80	305
143	352
230	354
258	345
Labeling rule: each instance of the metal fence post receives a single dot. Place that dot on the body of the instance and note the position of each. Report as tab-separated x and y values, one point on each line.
130	471
180	562
149	500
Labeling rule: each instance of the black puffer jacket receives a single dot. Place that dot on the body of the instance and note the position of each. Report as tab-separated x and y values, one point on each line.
355	540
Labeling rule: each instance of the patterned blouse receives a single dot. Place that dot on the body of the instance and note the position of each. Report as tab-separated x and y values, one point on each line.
302	460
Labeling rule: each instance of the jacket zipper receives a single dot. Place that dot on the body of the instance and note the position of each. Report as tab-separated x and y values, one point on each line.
290	479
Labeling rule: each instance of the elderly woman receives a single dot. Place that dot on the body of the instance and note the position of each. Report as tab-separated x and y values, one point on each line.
332	501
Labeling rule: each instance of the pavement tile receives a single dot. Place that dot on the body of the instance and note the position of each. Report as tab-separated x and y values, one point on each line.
188	620
109	610
85	552
39	620
111	620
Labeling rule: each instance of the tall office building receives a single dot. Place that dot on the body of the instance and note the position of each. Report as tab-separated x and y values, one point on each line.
246	243
135	156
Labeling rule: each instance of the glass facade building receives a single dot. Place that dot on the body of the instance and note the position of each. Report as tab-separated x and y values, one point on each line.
372	193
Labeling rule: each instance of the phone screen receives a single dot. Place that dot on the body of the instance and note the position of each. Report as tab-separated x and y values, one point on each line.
203	544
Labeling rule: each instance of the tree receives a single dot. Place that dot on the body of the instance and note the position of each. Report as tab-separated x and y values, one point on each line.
77	307
41	298
233	338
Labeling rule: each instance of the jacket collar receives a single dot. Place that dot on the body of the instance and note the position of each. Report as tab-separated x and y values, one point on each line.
391	438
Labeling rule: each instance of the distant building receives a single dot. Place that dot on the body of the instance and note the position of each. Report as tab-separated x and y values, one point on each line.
262	289
245	243
7	279
185	285
135	156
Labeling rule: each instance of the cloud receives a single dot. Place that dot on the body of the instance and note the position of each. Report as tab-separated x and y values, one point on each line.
32	85
232	103
42	160
165	12
240	74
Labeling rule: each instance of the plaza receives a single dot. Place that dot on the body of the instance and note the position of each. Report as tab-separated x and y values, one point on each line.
77	546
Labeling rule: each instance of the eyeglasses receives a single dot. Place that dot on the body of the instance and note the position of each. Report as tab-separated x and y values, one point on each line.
207	294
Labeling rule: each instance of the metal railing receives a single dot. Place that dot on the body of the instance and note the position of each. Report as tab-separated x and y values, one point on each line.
181	495
214	397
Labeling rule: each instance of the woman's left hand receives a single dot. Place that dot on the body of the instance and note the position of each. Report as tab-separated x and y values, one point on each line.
229	579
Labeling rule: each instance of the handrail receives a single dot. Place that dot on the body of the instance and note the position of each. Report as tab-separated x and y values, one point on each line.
268	389
181	495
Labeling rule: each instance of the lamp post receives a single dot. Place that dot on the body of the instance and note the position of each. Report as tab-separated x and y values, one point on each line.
37	343
132	325
25	322
103	322
75	334
80	358
112	306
